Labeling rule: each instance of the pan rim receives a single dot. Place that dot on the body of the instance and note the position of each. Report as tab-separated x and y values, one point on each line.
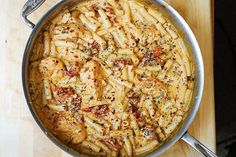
189	118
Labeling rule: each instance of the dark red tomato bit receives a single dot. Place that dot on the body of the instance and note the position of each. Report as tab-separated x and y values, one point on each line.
71	73
95	7
101	110
61	94
87	109
157	51
74	70
65	91
133	98
76	102
109	10
134	110
95	45
122	62
148	57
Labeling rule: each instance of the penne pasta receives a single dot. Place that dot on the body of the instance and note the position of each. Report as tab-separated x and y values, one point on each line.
91	131
107	71
97	127
130	72
86	36
124	73
102	146
181	93
161	136
113	3
121	82
128	146
100	41
172	32
82	42
90	145
142	71
143	12
146	148
106	22
150	106
59	17
132	29
164	120
131	42
125	51
121	133
47	89
99	120
127	15
115	84
172	126
134	125
46	44
62	43
118	38
140	17
165	69
87	23
53	50
161	29
123	152
187	99
156	15
56	107
154	68
95	22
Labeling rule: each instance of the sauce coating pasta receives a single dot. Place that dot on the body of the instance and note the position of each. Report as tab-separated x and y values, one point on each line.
111	78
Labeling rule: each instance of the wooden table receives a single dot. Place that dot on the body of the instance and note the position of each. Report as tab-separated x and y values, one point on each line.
19	133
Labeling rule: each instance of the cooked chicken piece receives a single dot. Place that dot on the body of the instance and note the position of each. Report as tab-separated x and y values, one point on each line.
68	129
55	71
52	67
90	78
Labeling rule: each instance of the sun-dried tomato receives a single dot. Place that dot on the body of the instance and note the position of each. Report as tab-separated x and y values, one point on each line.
122	62
61	94
133	98
157	51
95	45
95	7
101	110
76	102
71	73
74	70
89	109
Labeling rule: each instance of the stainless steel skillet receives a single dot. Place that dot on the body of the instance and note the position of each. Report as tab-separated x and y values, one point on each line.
185	31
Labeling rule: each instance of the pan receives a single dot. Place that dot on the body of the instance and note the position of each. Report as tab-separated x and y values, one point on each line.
186	33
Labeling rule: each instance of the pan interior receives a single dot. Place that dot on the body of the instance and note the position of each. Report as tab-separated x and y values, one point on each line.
185	33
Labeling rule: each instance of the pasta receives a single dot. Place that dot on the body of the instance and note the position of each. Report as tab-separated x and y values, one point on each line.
111	78
90	145
46	44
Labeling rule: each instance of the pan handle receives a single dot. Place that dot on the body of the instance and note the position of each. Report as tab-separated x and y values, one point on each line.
29	7
198	145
